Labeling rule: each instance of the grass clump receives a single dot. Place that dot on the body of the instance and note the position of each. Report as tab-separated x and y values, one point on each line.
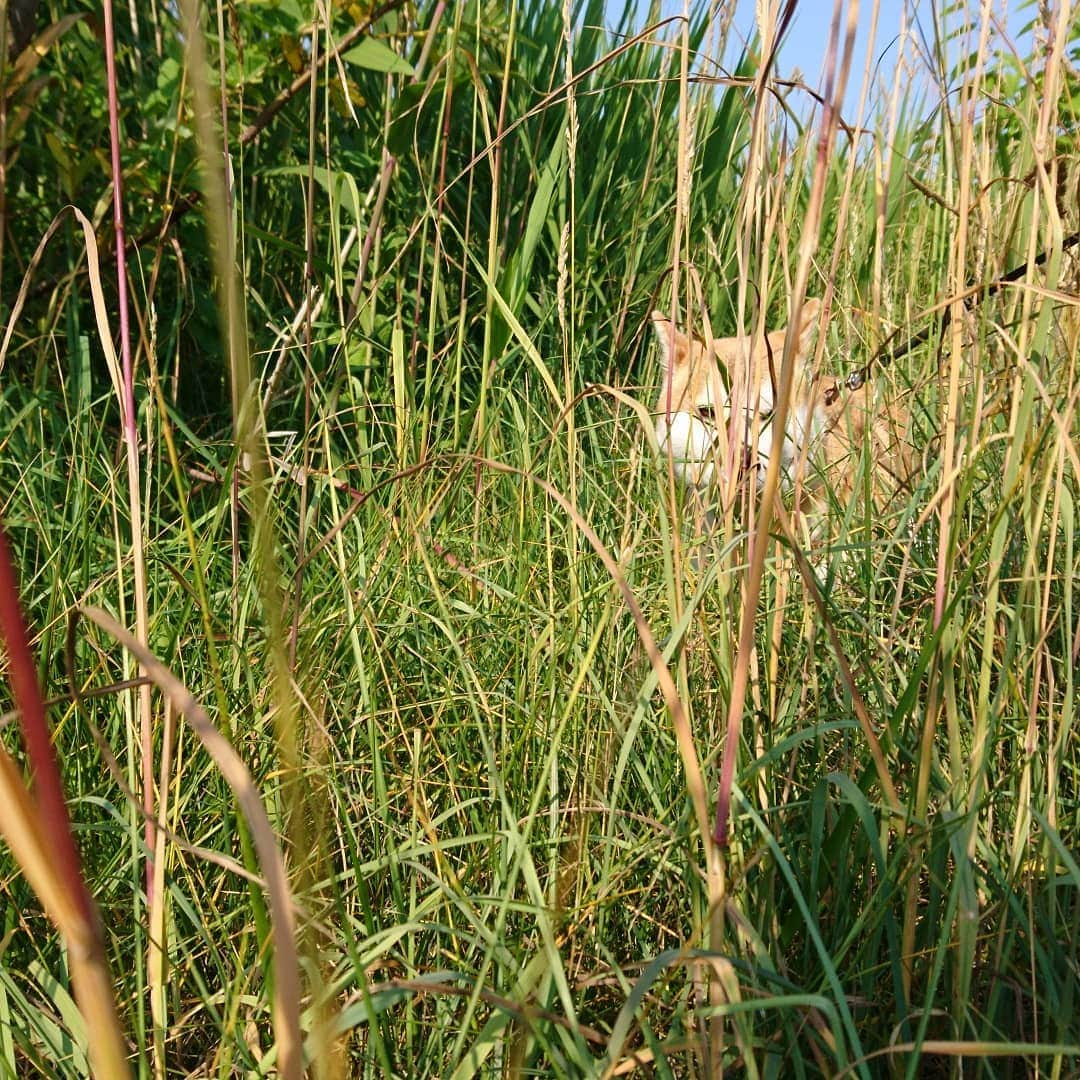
424	574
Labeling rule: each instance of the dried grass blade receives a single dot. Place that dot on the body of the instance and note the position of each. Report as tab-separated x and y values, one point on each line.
286	967
39	833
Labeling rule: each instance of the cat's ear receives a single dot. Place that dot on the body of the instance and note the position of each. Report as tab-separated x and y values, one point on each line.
809	323
674	344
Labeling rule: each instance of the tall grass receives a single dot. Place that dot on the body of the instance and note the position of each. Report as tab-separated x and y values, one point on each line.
425	571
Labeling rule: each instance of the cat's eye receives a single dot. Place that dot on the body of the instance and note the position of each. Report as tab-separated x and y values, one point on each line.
706	412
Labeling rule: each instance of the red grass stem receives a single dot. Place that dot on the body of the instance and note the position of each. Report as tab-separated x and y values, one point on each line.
49	794
131	438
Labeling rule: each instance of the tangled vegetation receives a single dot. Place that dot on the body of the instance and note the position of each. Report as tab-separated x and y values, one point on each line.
387	681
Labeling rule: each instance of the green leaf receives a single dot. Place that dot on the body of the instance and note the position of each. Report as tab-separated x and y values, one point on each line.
377	56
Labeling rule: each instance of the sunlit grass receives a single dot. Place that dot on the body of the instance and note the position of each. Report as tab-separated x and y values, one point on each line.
403	601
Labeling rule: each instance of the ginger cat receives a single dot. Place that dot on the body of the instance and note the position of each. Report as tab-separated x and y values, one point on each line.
715	415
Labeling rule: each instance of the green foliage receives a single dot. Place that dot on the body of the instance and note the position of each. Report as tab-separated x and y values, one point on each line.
448	257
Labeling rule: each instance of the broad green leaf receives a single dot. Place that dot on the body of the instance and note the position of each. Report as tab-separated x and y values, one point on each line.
377	56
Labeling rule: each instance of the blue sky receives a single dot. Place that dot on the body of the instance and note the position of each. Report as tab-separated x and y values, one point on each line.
804	46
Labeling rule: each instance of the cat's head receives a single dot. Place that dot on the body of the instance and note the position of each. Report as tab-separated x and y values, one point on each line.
714	414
